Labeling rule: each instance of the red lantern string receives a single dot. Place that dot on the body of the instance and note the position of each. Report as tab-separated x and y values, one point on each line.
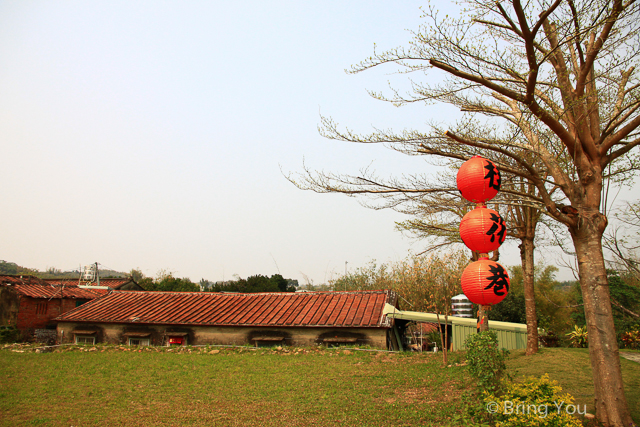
485	282
483	230
478	180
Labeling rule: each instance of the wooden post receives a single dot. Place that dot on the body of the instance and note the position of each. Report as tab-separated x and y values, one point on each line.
483	320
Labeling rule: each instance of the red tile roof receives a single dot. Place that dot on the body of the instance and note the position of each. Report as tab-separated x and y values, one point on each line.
331	309
34	287
113	283
20	279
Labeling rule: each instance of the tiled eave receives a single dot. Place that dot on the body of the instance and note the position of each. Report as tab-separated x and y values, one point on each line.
358	309
384	325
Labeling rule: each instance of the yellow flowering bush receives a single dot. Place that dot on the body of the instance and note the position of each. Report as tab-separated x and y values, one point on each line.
533	402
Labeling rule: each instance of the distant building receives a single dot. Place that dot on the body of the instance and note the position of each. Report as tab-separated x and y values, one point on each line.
294	319
29	303
106	285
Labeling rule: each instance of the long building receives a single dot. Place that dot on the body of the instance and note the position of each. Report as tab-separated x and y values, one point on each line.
197	318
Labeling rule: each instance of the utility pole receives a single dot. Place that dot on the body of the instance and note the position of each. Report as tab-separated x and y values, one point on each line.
345	274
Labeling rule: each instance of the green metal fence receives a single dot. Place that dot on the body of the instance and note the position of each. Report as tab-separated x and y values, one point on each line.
511	336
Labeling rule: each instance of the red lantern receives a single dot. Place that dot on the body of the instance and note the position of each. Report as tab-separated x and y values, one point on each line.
478	180
483	230
485	282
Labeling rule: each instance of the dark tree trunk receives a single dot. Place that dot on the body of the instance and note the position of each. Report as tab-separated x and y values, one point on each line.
610	401
526	256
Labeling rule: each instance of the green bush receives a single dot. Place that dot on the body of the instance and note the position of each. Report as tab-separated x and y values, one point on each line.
9	334
631	339
579	337
485	360
434	338
533	402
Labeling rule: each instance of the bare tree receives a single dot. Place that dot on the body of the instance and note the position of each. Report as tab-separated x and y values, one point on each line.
559	78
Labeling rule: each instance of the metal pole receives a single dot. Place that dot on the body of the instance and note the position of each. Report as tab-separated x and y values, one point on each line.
345	275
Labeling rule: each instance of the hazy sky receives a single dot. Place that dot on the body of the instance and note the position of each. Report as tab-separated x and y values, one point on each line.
154	135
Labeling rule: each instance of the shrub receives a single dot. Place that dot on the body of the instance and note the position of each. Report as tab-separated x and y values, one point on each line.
9	334
631	339
579	337
550	339
533	402
485	360
435	339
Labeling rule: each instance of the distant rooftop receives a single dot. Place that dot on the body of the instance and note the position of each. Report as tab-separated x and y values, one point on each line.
34	287
113	283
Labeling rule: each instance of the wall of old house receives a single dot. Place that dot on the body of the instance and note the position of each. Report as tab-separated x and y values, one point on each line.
9	304
203	335
36	313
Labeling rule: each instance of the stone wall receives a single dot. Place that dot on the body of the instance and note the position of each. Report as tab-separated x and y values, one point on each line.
45	336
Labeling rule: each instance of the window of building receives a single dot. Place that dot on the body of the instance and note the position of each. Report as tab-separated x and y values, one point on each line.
85	339
138	341
79	302
41	308
177	341
172	338
138	338
339	341
268	341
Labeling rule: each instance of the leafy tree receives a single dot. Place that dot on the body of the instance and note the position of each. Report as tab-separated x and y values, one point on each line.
260	283
166	282
136	275
626	305
511	308
281	283
204	284
8	268
552	302
253	284
146	283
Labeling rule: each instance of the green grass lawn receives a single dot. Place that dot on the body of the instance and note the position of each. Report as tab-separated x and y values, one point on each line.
297	387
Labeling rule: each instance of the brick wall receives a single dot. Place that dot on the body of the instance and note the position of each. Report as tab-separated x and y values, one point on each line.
36	313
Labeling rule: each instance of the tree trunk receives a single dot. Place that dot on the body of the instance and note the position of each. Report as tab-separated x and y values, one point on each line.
610	402
526	256
483	320
445	343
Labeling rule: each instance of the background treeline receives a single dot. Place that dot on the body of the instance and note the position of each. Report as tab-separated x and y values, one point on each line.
427	283
7	267
165	281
